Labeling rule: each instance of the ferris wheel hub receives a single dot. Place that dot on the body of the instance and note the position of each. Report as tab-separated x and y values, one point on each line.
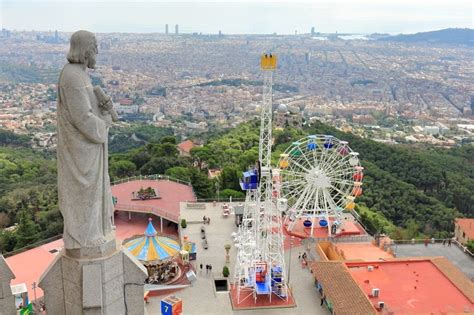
318	178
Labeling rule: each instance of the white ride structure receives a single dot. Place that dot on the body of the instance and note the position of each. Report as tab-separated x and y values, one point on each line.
260	266
320	177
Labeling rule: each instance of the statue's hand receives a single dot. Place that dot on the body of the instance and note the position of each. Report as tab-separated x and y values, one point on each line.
108	119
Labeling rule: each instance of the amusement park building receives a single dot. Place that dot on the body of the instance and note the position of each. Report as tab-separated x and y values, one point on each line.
399	286
464	230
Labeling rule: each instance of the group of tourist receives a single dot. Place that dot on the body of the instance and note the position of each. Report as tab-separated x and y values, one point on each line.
206	220
208	268
303	259
447	241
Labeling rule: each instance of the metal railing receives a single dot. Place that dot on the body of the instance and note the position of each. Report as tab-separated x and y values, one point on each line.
150	177
342	239
31	246
148	209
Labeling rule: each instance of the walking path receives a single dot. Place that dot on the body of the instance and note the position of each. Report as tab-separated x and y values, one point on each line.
201	298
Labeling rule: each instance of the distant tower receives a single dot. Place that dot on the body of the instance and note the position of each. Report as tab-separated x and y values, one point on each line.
220	33
167	29
176	29
56	36
312	31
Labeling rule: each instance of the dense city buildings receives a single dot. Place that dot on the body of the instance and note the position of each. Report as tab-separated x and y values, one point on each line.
389	91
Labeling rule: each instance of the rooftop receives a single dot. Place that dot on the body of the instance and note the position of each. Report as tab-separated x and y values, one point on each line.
341	289
453	253
363	251
171	194
413	286
467	225
186	146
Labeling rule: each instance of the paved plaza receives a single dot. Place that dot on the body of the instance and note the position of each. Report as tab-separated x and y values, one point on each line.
452	253
201	298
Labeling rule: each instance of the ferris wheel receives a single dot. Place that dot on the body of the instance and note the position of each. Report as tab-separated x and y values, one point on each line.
320	177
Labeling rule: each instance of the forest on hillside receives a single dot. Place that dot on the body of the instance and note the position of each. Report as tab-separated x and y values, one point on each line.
408	192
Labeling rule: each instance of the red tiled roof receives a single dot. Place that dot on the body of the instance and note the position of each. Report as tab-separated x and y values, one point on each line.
341	289
415	286
186	146
467	225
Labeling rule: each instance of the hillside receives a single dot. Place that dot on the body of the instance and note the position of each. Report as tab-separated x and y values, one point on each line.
413	188
453	36
408	192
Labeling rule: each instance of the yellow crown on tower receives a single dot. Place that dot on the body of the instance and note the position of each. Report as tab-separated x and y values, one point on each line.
268	62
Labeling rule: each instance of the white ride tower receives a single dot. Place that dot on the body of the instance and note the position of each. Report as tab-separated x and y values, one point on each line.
260	266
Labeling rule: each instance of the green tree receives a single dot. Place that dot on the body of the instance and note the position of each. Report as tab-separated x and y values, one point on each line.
226	193
229	178
168	139
27	232
470	246
122	168
203	186
179	172
7	241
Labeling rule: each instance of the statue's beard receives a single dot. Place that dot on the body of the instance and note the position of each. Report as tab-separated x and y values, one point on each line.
90	60
91	63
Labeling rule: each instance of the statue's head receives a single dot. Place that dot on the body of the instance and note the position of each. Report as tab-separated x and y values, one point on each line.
83	49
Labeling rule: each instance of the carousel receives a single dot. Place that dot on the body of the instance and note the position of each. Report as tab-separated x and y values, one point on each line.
159	255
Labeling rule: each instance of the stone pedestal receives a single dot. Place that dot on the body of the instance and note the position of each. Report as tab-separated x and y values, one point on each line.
103	280
7	300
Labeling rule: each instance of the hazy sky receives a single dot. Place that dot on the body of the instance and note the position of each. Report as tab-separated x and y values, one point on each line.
232	17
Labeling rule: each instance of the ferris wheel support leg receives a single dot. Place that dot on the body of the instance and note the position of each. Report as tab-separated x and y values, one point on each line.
312	226
329	226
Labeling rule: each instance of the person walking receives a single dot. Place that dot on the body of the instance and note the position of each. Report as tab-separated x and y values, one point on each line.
200	269
207	269
299	256
449	242
444	242
208	220
210	268
323	298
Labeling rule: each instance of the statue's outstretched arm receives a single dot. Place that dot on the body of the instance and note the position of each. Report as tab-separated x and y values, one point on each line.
82	117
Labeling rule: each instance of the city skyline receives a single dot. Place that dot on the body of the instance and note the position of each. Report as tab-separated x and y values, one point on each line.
244	17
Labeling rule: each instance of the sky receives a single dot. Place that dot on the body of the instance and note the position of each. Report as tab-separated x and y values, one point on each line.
237	17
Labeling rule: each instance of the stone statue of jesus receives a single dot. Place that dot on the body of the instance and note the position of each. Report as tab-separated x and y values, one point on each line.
85	198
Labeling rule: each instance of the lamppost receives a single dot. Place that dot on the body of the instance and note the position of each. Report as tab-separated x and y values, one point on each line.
33	286
289	262
217	189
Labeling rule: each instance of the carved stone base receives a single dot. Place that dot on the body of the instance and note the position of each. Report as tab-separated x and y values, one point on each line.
112	284
106	249
7	300
7	305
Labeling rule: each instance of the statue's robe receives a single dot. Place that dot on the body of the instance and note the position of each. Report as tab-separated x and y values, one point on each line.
85	198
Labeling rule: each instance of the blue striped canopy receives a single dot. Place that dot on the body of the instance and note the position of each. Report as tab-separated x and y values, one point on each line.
152	248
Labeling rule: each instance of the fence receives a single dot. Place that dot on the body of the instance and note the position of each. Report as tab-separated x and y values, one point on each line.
342	239
147	209
150	177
